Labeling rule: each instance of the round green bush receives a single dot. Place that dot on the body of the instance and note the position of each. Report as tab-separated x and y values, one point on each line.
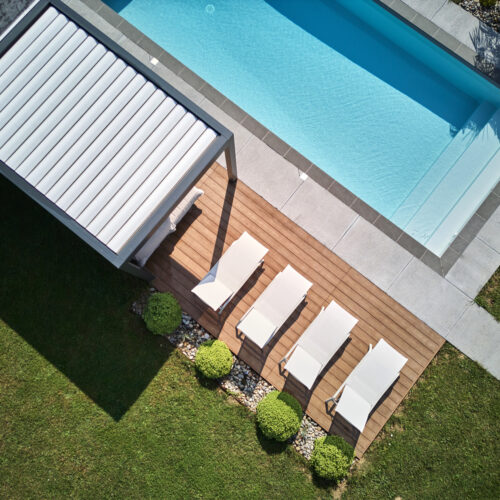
279	416
487	3
162	314
214	359
331	457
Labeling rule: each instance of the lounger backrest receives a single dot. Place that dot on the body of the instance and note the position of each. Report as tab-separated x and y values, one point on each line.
282	296
327	333
233	267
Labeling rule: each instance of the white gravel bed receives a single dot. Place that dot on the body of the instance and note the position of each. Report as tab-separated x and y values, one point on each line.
489	16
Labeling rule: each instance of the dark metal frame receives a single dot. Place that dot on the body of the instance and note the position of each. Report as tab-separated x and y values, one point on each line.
223	142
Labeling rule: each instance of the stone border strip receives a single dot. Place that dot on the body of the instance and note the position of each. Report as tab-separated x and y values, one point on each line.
440	265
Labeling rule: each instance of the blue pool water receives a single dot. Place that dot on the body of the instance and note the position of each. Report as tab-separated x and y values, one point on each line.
360	94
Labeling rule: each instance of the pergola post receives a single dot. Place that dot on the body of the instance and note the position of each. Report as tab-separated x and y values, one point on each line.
230	153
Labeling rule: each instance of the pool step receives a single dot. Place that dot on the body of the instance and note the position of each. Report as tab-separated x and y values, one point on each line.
465	207
464	187
443	164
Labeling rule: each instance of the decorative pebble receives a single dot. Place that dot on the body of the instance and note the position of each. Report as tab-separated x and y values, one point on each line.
489	16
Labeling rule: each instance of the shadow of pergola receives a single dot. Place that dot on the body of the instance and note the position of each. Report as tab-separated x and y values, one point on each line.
71	306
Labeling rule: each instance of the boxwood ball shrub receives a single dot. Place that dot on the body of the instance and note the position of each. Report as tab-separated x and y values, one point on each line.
487	3
331	457
162	314
214	359
279	415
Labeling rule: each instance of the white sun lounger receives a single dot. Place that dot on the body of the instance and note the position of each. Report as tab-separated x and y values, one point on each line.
231	272
274	306
317	345
368	382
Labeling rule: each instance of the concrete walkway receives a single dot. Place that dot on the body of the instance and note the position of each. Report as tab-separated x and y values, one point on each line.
444	303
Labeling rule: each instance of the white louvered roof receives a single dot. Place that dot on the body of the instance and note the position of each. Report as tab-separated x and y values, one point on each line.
89	132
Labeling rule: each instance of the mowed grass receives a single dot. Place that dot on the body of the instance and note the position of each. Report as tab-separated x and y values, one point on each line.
489	296
442	443
92	405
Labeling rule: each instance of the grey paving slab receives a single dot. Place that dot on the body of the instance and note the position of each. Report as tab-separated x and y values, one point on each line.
489	206
279	145
372	253
413	246
134	49
492	361
267	173
429	296
403	10
191	78
212	94
457	22
477	335
474	268
177	82
96	19
325	217
255	127
490	232
426	7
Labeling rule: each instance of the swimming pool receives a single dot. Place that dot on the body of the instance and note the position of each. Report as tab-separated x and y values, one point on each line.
381	109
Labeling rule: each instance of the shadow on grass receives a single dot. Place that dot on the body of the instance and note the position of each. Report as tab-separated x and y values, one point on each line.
72	306
324	484
205	382
270	446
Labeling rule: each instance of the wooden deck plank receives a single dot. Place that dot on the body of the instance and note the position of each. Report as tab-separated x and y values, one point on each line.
220	216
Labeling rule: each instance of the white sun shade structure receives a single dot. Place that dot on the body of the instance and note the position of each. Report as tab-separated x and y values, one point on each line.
95	136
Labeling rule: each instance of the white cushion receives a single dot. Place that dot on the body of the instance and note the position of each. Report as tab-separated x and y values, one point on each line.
353	408
257	327
303	367
185	204
154	242
167	227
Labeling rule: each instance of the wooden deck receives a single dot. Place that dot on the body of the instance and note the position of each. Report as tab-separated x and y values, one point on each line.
219	217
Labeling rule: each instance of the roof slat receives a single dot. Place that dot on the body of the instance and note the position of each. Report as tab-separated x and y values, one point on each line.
16	99
77	138
65	190
129	119
141	170
43	129
27	39
119	151
42	86
26	67
139	216
149	183
147	142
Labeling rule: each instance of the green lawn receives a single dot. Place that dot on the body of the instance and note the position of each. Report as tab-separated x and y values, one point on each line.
91	405
444	444
489	296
